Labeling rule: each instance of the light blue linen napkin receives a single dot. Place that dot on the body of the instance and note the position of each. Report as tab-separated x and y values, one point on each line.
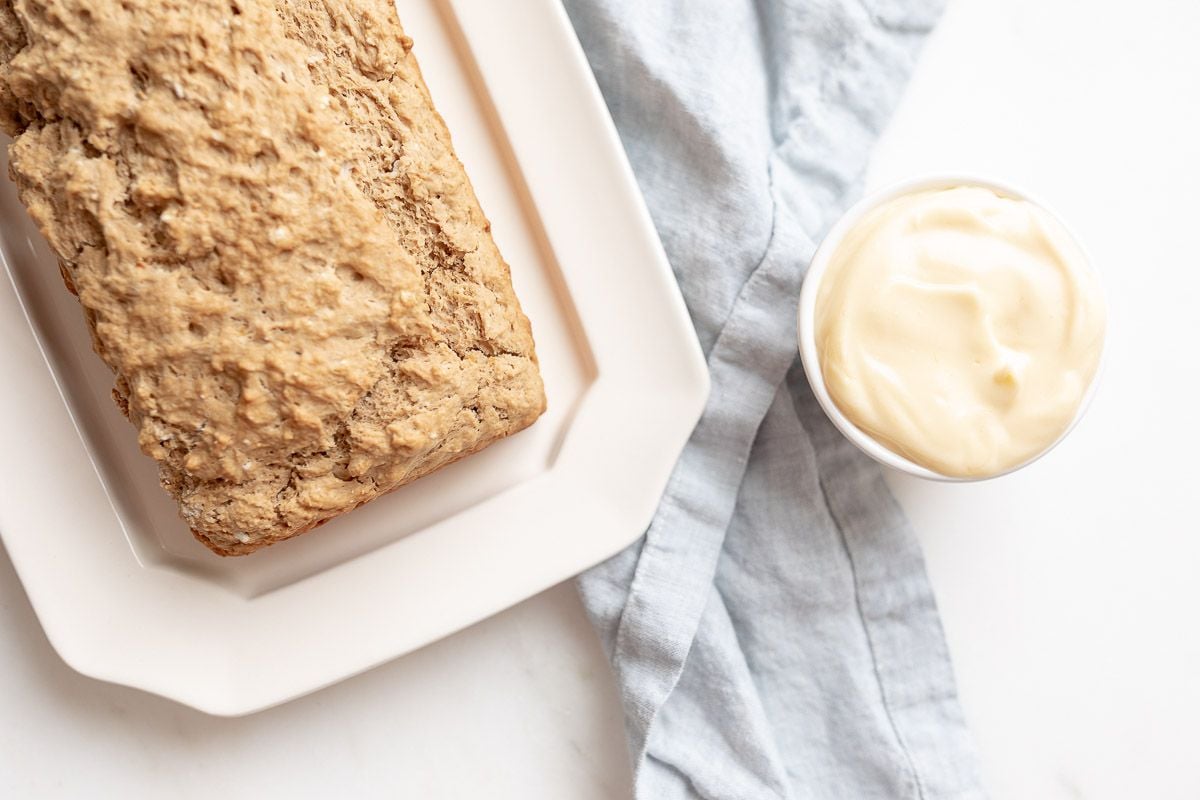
774	634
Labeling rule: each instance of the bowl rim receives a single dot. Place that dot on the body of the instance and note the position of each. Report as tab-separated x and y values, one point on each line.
806	313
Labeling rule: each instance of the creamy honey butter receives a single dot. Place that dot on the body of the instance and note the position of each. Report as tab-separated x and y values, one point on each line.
959	328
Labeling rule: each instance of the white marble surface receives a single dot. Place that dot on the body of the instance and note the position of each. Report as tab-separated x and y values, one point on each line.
1068	590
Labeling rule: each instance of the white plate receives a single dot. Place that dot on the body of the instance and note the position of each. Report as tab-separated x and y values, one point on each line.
126	595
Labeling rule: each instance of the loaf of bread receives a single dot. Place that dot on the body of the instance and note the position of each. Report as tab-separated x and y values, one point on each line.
276	249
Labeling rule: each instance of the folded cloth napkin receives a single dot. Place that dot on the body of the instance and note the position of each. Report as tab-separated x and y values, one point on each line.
773	634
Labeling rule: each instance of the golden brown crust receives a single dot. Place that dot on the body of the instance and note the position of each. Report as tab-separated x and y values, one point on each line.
276	248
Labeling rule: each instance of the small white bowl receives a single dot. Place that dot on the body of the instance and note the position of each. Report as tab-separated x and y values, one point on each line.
807	313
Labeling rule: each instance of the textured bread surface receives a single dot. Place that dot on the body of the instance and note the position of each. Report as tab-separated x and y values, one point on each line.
276	249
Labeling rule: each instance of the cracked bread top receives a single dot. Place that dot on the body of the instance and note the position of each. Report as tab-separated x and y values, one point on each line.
276	249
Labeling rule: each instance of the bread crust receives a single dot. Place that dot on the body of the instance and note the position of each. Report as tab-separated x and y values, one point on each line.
275	246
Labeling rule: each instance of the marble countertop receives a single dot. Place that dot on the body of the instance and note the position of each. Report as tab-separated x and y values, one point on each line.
1067	590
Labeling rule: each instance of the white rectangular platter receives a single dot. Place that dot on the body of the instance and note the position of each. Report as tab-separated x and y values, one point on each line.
126	595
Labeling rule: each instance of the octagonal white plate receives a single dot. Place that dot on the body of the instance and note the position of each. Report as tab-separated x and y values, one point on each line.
126	595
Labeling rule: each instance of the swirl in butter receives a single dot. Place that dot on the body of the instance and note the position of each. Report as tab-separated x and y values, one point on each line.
960	329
